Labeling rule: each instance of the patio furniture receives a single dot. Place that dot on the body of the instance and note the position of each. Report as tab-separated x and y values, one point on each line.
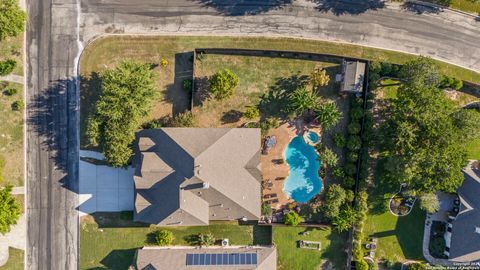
269	196
309	244
280	178
272	201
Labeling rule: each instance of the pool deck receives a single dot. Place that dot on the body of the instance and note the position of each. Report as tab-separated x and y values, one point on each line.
273	171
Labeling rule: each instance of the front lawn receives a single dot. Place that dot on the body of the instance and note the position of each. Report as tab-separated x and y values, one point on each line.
465	5
11	136
112	244
292	257
15	260
11	48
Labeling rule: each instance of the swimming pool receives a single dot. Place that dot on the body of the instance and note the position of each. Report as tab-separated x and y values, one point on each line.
303	181
313	137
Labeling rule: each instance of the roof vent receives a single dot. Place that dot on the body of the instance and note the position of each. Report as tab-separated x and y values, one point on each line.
205	185
477	230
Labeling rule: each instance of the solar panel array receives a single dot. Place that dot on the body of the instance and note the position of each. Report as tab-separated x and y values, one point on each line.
222	259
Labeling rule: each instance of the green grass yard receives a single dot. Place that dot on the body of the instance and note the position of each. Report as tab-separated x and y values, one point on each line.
471	6
257	76
292	257
11	48
399	238
15	260
107	247
11	137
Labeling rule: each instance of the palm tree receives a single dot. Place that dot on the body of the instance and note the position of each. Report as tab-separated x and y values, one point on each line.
328	115
303	99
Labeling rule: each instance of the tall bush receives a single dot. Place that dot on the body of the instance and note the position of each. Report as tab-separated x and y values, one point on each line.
223	83
7	66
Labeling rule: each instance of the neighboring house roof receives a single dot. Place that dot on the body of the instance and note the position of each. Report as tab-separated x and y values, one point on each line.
180	172
465	241
179	258
353	76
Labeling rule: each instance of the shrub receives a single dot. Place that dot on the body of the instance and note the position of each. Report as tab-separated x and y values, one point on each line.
350	196
328	157
268	124
18	105
450	82
348	181
356	114
164	62
339	140
252	113
10	212
319	77
334	197
338	172
185	119
354	143
292	218
361	265
187	84
328	115
223	83
345	218
372	266
10	91
352	156
205	239
350	169
417	266
163	237
151	124
353	128
266	209
7	66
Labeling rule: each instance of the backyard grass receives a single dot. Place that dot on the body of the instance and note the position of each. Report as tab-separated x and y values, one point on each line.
112	244
292	257
15	260
11	48
11	137
473	149
465	5
257	76
399	238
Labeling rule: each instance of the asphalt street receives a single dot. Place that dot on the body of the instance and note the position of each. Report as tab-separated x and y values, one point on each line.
56	29
52	135
443	35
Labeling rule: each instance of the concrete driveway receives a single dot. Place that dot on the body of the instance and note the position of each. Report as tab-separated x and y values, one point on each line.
103	188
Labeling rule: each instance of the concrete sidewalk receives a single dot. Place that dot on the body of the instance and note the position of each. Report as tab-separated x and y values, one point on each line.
13	78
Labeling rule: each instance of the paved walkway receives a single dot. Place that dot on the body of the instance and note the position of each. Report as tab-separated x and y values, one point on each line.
13	78
103	188
16	238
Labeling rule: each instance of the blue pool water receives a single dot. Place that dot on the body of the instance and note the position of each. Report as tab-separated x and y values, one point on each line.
303	181
313	137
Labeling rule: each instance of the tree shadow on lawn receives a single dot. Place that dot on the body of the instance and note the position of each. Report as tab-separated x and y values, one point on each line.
231	116
275	102
119	259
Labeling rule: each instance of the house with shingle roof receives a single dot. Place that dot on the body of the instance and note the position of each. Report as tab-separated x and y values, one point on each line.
183	258
465	235
188	176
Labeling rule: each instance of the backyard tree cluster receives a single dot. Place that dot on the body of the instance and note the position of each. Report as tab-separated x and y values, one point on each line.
426	134
126	96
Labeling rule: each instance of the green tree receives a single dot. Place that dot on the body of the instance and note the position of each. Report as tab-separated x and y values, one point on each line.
10	210
223	83
467	122
292	218
328	115
12	19
7	66
335	196
429	202
420	72
339	140
319	77
126	96
302	100
328	157
266	209
163	237
361	264
353	128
